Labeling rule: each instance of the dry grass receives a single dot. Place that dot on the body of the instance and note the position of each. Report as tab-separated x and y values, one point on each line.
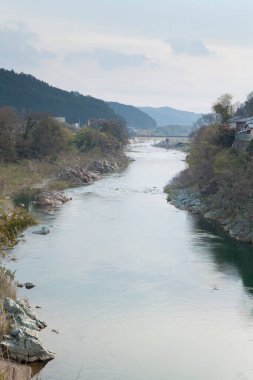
7	289
12	371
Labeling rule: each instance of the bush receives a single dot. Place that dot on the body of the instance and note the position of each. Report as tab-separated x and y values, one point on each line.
11	224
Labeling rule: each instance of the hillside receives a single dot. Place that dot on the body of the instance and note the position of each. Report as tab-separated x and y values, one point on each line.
170	116
175	130
134	117
28	94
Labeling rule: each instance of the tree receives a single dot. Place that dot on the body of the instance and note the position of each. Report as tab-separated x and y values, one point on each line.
46	137
10	126
224	107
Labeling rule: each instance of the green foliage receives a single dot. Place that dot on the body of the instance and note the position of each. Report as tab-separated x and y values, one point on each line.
46	138
224	108
88	139
104	136
9	133
13	222
250	148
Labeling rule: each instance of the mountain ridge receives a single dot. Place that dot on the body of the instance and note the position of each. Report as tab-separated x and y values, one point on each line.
166	115
28	94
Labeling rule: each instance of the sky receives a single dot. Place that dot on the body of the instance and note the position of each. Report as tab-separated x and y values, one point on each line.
178	53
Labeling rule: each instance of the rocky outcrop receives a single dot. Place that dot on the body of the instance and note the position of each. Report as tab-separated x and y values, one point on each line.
103	166
78	175
92	173
51	198
23	343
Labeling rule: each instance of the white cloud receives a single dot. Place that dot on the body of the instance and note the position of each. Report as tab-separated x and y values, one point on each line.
188	46
110	59
18	48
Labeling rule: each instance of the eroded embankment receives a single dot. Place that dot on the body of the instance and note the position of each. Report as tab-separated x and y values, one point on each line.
190	199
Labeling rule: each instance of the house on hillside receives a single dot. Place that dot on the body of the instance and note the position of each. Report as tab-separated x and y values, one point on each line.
244	129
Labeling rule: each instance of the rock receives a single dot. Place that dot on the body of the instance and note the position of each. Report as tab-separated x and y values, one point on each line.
23	344
163	144
50	198
25	347
19	285
42	231
22	314
103	166
55	331
29	285
78	175
81	176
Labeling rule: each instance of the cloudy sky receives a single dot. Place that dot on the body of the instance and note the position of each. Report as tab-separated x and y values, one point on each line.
179	53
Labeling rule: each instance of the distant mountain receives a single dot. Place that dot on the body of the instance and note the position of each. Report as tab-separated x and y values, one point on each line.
28	94
165	116
134	117
175	130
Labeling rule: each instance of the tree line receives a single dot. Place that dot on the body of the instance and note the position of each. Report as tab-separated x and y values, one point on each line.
39	136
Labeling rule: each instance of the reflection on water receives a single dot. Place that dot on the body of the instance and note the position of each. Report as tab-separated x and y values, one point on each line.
137	288
231	257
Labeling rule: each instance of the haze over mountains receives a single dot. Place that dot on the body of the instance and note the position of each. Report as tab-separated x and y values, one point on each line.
134	117
28	94
167	115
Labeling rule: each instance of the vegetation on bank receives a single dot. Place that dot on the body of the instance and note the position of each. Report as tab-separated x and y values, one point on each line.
34	148
220	174
7	289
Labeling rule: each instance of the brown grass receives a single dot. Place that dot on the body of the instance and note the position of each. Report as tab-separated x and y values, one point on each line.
7	289
12	371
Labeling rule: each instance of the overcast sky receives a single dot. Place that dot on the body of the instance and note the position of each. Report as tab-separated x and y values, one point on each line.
179	53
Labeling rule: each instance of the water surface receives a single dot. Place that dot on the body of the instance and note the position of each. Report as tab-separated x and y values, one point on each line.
138	289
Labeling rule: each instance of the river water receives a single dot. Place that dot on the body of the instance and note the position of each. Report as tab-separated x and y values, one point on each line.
138	289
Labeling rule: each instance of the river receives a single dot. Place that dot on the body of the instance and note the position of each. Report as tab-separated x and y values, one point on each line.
138	289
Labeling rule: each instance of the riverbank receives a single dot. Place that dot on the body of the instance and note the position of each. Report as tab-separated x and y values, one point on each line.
217	182
190	199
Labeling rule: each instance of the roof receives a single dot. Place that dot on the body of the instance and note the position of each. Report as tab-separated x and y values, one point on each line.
240	119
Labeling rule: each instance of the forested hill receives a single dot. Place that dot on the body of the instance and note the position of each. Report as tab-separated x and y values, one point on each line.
165	116
134	117
28	94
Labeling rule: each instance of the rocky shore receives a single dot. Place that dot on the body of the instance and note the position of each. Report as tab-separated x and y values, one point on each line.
192	200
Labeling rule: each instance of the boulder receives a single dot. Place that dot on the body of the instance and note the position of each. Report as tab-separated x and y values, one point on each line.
23	343
29	285
25	346
42	231
50	198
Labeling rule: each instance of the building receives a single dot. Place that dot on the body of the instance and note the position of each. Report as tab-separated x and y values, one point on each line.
244	130
60	119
